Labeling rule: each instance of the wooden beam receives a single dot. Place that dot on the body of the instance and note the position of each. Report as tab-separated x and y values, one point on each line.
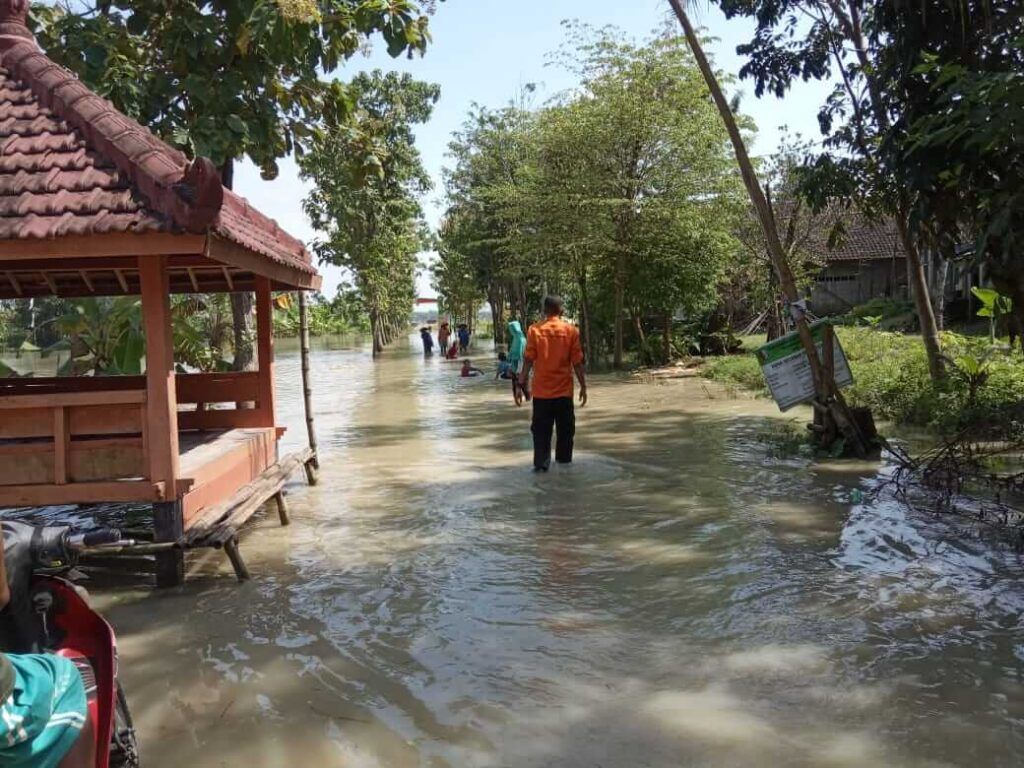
124	283
80	493
71	264
168	526
14	283
99	246
60	399
222	520
161	396
85	279
242	258
61	439
54	384
193	279
48	277
227	387
265	348
227	277
222	418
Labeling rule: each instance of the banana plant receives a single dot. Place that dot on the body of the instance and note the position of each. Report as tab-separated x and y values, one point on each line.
202	330
103	335
994	306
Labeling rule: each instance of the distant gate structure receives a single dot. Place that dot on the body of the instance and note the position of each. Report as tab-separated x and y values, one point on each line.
93	204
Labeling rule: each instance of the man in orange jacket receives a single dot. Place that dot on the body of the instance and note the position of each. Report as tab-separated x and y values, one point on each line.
553	352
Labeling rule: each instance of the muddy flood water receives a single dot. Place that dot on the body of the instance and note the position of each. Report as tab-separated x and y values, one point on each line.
677	597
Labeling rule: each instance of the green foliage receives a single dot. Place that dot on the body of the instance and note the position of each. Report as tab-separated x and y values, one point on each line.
742	370
203	331
993	306
227	79
750	285
103	335
890	371
620	195
344	314
882	313
371	210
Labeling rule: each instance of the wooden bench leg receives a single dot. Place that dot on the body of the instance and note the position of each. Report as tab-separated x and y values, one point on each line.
311	474
282	508
168	525
231	547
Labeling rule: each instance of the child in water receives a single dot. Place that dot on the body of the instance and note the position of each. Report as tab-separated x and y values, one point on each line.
469	370
505	370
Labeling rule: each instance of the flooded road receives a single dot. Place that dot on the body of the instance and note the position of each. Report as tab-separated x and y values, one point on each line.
677	597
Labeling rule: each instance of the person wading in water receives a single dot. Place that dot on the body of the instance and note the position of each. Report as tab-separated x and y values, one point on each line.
553	352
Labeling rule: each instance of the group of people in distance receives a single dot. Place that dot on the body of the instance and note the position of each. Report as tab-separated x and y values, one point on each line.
552	352
449	349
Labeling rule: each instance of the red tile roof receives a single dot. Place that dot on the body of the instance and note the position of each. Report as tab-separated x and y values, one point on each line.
867	240
71	164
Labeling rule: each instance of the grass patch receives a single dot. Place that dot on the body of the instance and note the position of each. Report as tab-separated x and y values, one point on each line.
985	385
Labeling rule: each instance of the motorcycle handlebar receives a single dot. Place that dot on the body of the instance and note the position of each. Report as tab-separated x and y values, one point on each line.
98	538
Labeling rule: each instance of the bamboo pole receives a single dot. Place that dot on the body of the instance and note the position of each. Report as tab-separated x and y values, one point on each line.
824	387
307	392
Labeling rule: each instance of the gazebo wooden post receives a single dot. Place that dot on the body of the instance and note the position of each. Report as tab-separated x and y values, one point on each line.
162	415
265	349
313	464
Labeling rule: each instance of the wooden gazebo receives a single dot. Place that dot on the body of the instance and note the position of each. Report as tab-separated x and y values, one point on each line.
93	204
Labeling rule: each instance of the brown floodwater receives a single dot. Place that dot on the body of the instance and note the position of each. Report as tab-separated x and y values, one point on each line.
683	595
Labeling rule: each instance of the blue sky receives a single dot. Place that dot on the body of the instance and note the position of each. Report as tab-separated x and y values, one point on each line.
484	51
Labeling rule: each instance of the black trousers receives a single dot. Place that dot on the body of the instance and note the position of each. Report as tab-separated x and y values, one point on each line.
549	413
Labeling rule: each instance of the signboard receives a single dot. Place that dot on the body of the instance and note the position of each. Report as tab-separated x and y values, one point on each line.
787	372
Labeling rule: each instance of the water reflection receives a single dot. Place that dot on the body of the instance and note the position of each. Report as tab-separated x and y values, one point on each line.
676	597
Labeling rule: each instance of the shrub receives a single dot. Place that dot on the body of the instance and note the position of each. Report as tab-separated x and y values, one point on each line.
737	369
890	373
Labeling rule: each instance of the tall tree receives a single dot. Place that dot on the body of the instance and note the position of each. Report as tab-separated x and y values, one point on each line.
805	235
621	195
834	40
491	157
369	180
827	394
227	79
956	70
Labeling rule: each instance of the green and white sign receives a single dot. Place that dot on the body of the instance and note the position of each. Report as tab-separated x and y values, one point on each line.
787	372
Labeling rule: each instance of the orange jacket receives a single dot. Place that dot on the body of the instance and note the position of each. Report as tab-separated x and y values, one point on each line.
553	346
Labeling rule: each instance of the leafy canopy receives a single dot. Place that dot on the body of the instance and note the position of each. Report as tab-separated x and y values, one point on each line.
227	78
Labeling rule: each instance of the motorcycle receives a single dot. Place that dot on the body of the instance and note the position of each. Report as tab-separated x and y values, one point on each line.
49	614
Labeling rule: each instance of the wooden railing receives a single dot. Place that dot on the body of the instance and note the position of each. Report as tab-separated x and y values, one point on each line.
234	387
77	440
86	438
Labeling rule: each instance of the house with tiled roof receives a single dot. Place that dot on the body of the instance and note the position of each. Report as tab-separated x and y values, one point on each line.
92	204
867	262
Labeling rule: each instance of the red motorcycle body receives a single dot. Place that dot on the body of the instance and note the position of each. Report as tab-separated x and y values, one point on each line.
79	633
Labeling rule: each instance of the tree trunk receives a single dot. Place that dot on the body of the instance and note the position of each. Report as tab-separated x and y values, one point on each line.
938	285
241	320
851	26
375	331
619	311
774	327
497	302
588	343
666	337
827	394
922	300
241	303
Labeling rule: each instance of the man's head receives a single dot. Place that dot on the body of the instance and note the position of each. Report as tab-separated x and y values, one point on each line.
553	306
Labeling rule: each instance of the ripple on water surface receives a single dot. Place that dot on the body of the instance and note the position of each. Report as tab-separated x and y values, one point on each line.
677	596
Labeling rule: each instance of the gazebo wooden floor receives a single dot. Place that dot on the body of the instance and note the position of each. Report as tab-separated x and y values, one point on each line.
214	465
